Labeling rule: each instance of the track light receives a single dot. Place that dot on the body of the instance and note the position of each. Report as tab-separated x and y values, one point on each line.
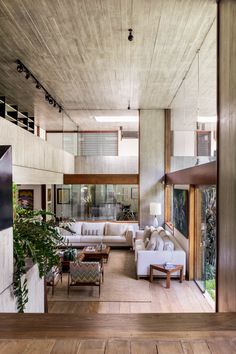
20	68
27	76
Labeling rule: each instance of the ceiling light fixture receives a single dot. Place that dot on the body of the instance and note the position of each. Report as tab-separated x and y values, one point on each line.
22	68
116	119
130	36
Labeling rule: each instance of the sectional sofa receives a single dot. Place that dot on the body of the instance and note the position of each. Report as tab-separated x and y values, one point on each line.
114	234
172	253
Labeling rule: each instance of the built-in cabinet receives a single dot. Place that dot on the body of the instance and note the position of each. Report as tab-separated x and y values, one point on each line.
13	115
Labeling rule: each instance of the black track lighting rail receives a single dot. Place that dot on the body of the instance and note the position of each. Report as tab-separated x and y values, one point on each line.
21	68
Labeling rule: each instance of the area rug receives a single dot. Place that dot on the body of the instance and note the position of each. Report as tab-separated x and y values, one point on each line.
120	284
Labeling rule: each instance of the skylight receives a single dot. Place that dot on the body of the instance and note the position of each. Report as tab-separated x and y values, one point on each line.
116	119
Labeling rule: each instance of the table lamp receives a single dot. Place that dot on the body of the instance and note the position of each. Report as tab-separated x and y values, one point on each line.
155	209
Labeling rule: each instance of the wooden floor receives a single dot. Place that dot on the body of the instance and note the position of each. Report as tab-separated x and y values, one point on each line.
185	297
124	334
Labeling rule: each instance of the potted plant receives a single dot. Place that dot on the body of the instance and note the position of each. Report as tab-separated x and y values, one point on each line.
36	239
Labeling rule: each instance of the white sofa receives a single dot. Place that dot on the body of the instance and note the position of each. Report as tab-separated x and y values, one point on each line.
145	257
116	234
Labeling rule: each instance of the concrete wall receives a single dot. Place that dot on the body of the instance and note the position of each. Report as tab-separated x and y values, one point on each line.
106	164
151	163
34	160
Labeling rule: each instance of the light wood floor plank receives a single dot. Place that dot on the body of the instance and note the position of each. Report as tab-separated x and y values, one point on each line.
143	347
195	347
68	346
13	346
92	347
39	346
221	346
118	347
170	347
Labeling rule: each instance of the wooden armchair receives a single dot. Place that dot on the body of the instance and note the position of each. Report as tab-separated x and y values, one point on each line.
85	273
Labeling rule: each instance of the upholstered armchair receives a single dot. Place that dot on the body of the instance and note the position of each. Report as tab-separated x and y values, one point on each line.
85	273
53	276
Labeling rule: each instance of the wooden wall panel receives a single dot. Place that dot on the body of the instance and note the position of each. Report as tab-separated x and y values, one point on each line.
101	179
197	175
167	201
226	282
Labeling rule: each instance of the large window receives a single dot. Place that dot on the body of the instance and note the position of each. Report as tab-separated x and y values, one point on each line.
97	202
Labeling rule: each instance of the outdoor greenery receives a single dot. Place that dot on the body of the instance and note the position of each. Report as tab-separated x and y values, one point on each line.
35	239
209	209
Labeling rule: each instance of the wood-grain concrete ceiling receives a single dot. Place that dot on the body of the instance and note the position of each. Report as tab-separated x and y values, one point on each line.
79	50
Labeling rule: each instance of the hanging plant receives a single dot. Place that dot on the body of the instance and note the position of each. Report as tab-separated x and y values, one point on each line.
37	239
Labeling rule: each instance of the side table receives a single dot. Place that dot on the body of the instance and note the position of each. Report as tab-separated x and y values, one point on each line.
167	271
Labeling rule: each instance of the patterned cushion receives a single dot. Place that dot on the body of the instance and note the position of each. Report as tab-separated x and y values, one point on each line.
85	272
93	228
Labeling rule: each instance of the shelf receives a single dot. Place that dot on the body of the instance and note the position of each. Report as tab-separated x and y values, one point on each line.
21	115
13	115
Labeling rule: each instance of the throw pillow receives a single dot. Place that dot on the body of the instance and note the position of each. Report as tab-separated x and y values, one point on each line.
115	229
64	232
151	244
75	227
155	243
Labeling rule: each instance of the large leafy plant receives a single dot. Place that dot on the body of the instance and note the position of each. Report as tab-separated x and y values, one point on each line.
37	239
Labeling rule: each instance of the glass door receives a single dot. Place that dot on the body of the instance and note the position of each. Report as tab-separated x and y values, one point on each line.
205	246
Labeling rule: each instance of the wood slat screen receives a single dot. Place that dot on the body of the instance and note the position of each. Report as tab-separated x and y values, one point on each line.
98	144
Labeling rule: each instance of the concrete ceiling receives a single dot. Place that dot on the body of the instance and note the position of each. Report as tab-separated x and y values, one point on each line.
79	50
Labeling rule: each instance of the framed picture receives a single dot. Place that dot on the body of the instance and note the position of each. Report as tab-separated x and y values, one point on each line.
63	196
26	198
180	208
134	193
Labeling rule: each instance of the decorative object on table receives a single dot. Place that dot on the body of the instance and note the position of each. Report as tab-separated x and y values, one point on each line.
180	208
134	193
155	210
63	196
70	254
26	198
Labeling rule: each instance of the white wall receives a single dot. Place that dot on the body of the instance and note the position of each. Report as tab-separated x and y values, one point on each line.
128	147
183	143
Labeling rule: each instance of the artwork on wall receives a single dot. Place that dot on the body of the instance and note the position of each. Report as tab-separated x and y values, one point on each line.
26	198
134	193
63	196
180	208
49	195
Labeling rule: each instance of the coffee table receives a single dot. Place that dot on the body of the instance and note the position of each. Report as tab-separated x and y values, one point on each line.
96	255
167	271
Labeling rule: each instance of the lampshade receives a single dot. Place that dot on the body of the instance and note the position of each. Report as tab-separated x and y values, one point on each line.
155	208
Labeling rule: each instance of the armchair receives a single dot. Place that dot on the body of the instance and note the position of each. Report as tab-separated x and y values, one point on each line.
84	273
53	276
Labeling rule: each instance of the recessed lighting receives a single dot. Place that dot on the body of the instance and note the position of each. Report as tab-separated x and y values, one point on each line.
116	119
207	119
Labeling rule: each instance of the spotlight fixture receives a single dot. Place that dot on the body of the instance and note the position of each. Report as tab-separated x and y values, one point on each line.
27	75
130	36
22	68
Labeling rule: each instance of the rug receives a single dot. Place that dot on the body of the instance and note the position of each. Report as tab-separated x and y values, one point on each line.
120	284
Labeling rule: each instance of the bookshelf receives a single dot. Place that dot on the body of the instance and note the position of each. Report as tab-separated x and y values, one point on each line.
13	115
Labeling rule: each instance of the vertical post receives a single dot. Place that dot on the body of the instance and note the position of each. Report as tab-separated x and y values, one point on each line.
167	163
191	231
